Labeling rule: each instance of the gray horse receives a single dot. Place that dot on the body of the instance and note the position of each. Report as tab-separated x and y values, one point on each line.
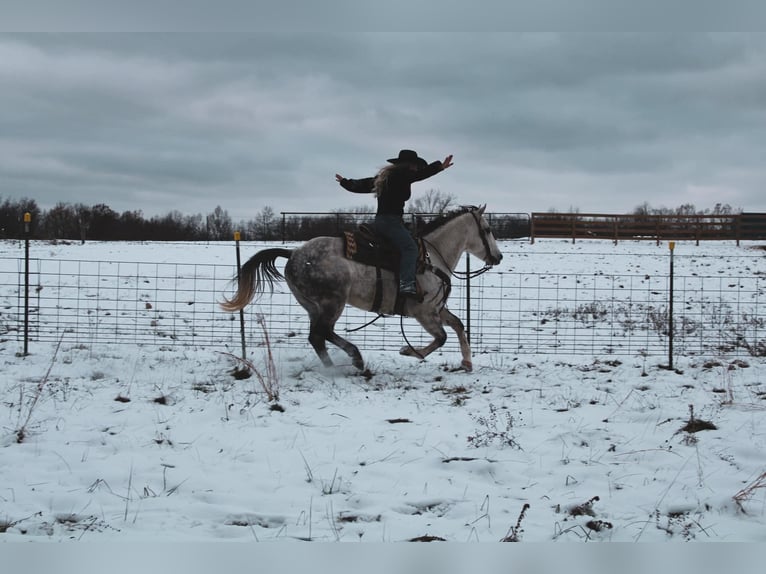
324	280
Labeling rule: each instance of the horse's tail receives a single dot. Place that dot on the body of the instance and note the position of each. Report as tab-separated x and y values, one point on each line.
253	277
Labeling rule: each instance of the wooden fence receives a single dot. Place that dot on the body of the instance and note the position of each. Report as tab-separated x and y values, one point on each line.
736	227
300	226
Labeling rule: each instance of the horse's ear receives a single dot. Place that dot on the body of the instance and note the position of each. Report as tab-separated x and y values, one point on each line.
482	208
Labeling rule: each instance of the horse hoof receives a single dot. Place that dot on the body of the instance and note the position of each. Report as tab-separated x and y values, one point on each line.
467	366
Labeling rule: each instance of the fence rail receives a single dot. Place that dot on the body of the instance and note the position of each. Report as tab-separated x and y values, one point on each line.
173	304
303	225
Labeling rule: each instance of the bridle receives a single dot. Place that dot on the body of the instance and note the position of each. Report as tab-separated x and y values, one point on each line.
484	239
465	275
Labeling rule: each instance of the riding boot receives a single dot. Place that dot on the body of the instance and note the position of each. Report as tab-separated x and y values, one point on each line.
408	289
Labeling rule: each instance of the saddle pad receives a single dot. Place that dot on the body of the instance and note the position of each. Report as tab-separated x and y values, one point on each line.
360	248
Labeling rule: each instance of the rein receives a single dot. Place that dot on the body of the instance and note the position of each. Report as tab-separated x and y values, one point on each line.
445	289
401	327
367	324
466	275
406	340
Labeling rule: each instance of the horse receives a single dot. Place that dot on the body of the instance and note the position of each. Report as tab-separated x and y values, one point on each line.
323	280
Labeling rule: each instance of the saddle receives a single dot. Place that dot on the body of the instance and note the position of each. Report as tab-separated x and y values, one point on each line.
365	246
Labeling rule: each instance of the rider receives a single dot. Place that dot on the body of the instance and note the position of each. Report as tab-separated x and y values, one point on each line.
391	186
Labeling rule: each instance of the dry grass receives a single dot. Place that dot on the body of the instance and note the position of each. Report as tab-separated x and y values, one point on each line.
268	377
749	491
21	430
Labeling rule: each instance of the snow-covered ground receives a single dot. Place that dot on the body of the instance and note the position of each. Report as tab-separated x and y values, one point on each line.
156	443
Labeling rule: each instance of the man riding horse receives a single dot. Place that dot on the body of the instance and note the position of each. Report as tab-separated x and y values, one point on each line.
391	186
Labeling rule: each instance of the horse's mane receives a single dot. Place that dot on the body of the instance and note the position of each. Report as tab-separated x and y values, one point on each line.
437	222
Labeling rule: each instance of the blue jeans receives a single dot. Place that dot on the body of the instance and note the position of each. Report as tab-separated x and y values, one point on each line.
391	227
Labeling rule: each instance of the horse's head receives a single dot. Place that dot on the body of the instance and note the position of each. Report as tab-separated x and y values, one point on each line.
482	244
463	229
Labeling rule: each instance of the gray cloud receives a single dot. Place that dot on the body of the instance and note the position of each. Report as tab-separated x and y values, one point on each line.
599	122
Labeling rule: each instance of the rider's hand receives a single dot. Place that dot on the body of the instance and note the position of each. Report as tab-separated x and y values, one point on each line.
339	177
447	162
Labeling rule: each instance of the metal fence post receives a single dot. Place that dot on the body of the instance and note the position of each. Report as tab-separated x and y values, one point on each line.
27	222
237	237
671	246
468	297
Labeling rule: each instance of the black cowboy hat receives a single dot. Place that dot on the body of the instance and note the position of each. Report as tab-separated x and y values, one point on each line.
409	156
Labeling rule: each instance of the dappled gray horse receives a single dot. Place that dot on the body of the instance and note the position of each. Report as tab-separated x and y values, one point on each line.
323	280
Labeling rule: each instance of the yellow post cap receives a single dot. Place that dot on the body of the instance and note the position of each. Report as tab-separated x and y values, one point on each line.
27	217
236	236
671	245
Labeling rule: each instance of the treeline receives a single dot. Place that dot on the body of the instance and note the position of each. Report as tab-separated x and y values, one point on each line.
686	209
720	209
80	222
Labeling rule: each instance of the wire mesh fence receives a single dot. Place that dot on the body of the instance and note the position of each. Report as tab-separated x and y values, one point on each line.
620	314
176	304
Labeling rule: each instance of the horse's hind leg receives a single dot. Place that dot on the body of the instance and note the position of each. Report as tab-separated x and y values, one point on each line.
349	348
324	297
457	325
317	338
323	329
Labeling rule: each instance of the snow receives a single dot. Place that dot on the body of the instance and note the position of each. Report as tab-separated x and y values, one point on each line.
129	443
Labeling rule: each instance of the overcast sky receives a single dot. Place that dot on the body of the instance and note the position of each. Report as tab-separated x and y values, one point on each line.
595	122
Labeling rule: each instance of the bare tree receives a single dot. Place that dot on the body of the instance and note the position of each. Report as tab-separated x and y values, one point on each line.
686	209
219	224
84	218
266	221
433	201
60	222
643	209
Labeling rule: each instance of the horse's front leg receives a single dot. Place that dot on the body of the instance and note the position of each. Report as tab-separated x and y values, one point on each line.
457	326
432	323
